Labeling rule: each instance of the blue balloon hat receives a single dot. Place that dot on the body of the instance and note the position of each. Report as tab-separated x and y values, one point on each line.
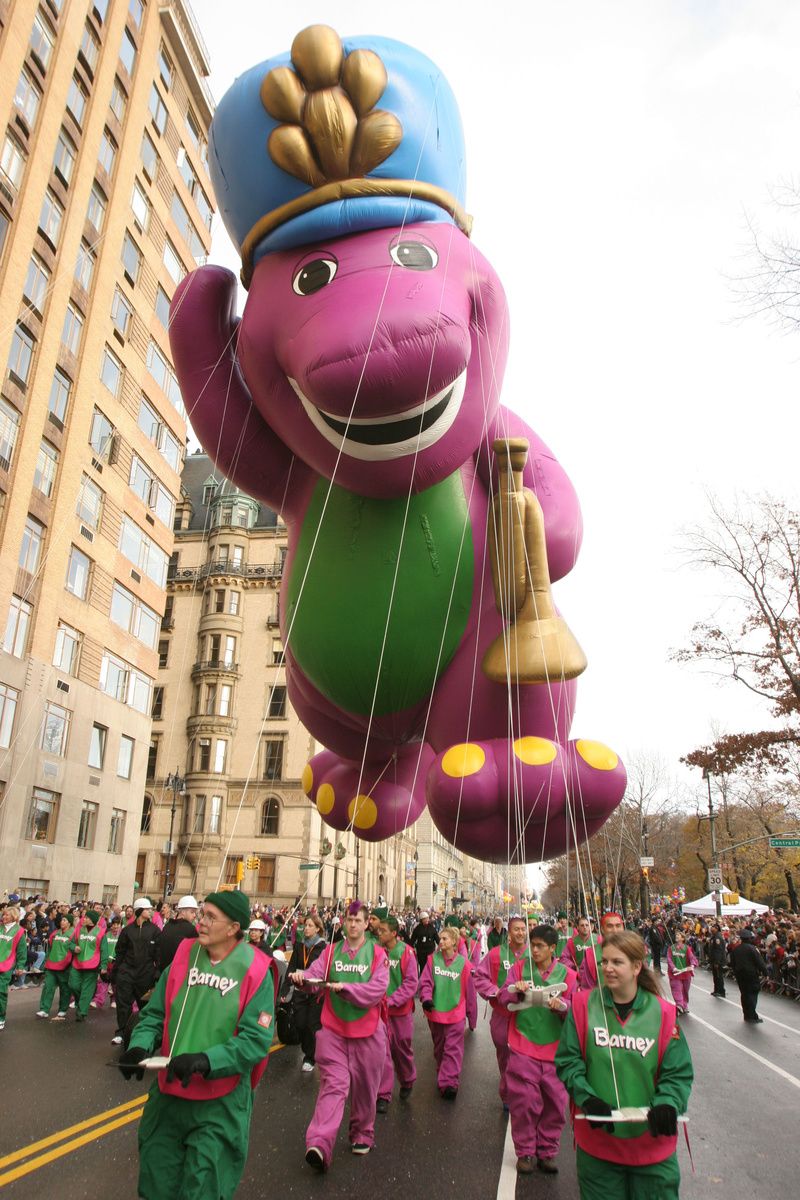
334	138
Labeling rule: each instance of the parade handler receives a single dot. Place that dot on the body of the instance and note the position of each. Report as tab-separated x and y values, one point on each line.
403	980
211	1014
681	962
89	959
577	945
56	970
448	999
13	953
620	1048
490	977
610	922
537	1099
351	1045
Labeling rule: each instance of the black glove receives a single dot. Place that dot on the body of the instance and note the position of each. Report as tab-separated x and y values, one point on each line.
662	1119
595	1107
128	1060
184	1066
427	1005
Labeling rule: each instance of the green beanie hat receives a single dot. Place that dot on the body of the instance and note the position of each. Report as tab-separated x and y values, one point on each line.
234	904
381	912
453	921
92	915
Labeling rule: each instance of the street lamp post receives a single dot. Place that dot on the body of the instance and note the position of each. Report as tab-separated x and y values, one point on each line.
711	819
416	868
177	782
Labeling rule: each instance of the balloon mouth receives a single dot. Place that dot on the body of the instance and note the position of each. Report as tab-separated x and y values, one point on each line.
376	439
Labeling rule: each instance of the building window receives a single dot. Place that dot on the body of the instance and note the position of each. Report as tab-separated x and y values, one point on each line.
270	816
273	758
215	816
225	699
5	225
133	615
165	67
89	507
145	484
162	306
12	161
78	571
8	707
277	702
149	156
90	48
30	549
42	816
77	98
147	815
19	618
143	552
111	371
164	376
234	599
204	754
121	313
27	98
9	429
158	110
163	653
158	703
87	825
141	206
108	152
55	729
266	876
44	476
73	328
84	265
119	100
50	217
100	433
157	432
125	683
60	389
181	218
125	757
110	893
96	211
42	41
21	354
229	652
198	825
64	158
68	649
127	52
79	893
220	755
36	282
116	831
136	10
208	493
33	887
152	759
172	261
97	746
131	257
219	600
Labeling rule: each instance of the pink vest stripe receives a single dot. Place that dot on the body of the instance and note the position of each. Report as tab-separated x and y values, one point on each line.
9	962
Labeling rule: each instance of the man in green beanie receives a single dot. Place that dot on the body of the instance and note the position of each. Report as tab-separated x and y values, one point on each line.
211	1015
378	914
89	958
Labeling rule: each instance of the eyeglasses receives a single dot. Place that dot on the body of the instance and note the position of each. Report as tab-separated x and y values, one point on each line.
209	920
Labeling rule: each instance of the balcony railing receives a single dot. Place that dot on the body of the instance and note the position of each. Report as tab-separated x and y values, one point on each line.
224	567
216	664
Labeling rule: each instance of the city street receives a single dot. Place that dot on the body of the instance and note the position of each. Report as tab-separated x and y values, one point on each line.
73	1119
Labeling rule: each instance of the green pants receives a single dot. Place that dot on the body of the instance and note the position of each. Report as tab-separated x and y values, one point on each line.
83	985
53	980
194	1149
5	981
601	1180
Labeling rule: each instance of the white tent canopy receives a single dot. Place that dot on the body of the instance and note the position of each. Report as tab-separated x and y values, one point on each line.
706	906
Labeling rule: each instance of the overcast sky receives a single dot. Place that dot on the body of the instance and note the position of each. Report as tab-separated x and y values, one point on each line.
615	150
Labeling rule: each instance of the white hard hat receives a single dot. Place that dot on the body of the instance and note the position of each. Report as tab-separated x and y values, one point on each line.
187	902
141	903
257	925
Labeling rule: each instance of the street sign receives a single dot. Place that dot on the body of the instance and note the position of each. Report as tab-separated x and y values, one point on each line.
310	866
781	843
715	877
647	861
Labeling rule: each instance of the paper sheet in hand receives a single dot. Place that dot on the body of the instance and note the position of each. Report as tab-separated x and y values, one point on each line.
623	1115
538	997
156	1062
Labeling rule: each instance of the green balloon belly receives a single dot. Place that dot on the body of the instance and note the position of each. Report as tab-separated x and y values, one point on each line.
346	584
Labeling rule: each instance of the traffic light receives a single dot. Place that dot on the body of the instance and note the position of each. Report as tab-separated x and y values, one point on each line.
240	870
645	872
325	847
340	852
253	862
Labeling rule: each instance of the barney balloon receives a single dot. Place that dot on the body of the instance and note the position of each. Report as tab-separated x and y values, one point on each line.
359	396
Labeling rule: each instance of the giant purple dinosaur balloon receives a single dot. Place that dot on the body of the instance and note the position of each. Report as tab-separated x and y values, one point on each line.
359	395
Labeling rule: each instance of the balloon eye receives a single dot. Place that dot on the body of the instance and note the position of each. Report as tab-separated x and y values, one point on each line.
417	256
314	276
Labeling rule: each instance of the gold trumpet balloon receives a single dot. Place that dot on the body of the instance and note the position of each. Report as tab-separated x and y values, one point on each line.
537	646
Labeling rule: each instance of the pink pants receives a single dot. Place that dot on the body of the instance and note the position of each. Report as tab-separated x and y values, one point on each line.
538	1102
498	1027
679	985
448	1050
399	1055
101	992
347	1066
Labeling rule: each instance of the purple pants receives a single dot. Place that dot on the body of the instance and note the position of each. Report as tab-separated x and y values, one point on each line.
498	1027
101	993
538	1102
399	1055
347	1066
448	1050
679	985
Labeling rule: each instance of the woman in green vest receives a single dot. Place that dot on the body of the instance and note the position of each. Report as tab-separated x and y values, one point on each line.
13	953
448	1000
620	1048
56	970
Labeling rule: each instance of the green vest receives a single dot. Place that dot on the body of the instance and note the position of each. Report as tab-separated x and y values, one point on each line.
7	942
395	957
447	982
679	958
60	947
541	1026
86	945
633	1047
561	945
205	1009
580	947
111	942
346	970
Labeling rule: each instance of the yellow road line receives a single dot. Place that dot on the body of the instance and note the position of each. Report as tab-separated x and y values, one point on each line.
65	1133
67	1148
